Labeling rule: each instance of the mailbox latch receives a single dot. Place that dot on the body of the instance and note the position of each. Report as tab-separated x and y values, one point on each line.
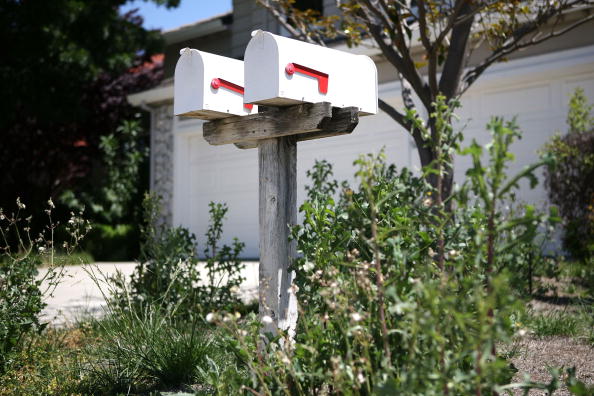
217	83
322	78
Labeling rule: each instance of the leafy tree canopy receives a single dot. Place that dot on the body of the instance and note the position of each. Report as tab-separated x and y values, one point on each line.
65	71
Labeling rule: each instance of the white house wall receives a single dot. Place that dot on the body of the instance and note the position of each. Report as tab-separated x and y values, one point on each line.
535	89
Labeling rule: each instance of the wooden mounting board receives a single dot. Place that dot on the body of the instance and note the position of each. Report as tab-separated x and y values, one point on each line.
307	121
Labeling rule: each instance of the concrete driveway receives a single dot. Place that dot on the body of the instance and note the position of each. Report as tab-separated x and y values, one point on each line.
78	295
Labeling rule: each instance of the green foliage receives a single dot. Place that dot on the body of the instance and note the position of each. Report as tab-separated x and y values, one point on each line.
378	315
576	321
568	182
43	367
112	242
145	349
21	289
168	272
492	186
123	155
578	116
554	324
20	303
110	197
71	66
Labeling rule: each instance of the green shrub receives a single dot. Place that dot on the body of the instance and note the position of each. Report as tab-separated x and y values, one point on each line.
113	242
168	272
569	182
378	312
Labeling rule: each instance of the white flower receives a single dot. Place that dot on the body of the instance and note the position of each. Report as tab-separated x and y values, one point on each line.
41	249
71	221
361	378
356	316
51	203
522	332
210	317
453	253
308	266
20	205
427	202
266	319
234	289
237	315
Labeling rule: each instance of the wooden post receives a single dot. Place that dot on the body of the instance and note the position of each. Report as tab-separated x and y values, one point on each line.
277	161
276	132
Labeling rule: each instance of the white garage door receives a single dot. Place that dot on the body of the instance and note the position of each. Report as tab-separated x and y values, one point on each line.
536	90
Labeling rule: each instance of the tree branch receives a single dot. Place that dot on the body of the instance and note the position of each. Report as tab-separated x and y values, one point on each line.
423	27
471	76
424	152
452	69
295	33
395	114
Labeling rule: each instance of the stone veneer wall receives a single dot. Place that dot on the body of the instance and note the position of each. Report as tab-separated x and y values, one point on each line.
162	158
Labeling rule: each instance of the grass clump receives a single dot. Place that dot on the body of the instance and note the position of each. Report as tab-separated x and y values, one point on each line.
576	322
146	350
554	323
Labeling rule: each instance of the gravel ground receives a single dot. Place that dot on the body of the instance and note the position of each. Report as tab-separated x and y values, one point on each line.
536	355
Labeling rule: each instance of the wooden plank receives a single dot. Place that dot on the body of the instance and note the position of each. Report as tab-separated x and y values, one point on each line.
342	122
277	210
292	120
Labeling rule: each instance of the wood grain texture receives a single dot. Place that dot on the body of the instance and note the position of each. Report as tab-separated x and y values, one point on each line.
299	119
342	122
277	161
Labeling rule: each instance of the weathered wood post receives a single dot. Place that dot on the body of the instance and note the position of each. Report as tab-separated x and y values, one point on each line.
277	164
276	132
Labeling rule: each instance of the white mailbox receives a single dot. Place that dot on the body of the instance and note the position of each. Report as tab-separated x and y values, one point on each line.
280	71
209	86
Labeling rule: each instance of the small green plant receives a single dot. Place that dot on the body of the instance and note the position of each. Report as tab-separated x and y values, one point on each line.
555	323
123	155
168	272
21	290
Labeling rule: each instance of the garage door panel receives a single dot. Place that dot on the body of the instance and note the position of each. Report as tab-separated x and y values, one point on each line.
516	100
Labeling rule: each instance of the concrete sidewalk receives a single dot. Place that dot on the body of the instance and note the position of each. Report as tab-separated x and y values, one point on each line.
79	296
